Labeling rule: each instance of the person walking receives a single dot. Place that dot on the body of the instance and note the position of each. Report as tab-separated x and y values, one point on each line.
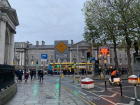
31	74
41	76
26	75
20	76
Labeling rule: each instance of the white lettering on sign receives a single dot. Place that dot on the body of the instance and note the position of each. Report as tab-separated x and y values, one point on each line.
61	56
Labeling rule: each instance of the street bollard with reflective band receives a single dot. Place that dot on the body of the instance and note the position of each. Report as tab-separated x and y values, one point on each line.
74	78
79	79
135	91
62	75
121	88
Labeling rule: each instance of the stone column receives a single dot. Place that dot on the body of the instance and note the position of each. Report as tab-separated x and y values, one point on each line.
11	57
70	56
20	59
2	41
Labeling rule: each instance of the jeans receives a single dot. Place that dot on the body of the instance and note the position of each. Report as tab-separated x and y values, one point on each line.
34	75
40	79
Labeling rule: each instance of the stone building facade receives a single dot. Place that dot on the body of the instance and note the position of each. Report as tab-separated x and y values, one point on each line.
8	23
27	55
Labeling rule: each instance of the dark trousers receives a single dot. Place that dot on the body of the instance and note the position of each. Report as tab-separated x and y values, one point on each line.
112	76
41	78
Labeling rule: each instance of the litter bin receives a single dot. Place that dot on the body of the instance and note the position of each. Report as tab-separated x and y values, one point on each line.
87	83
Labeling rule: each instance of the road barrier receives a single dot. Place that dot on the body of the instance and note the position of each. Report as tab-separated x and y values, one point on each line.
135	91
121	88
79	79
74	78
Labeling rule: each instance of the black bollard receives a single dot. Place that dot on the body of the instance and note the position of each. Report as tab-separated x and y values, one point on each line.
105	85
121	88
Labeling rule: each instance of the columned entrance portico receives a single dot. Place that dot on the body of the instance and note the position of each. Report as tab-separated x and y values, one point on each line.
8	23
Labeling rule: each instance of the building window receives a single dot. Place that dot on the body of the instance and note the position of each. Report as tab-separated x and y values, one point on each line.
27	53
42	62
47	61
26	57
27	62
32	62
125	55
32	57
51	61
74	55
104	61
120	55
32	52
99	61
56	61
16	52
120	61
83	54
83	44
51	56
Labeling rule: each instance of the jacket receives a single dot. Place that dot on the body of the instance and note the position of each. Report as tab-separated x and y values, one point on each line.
114	73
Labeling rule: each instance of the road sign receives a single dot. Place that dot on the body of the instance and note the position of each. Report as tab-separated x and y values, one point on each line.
44	57
14	63
62	56
61	49
92	58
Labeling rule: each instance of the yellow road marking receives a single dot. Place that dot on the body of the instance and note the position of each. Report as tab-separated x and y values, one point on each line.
79	95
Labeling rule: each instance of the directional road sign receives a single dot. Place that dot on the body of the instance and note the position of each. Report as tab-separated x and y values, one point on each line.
44	57
92	58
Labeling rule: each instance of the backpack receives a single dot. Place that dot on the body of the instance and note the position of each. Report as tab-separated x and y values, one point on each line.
117	74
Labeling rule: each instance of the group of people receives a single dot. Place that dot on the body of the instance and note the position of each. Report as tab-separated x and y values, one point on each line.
21	73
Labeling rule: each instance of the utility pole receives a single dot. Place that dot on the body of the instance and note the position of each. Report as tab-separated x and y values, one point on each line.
86	65
77	61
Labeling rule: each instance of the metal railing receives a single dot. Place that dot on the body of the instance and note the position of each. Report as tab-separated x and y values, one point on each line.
6	75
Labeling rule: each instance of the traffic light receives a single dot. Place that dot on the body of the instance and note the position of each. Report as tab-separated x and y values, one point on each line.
88	55
74	63
57	65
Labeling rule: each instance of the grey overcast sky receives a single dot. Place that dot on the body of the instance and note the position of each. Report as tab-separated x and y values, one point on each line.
49	20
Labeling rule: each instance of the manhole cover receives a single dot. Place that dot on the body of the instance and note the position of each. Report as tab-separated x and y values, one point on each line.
50	97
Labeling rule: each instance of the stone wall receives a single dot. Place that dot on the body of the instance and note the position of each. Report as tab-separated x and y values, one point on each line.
7	94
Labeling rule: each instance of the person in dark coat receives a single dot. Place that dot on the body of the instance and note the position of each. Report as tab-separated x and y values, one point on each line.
31	74
82	71
20	76
38	73
41	75
26	75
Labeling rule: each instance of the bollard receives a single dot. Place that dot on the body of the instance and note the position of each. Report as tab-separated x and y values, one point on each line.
121	88
74	78
62	76
105	85
135	91
79	79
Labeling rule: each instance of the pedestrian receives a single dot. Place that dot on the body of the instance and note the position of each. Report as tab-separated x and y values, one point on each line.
34	73
31	74
82	71
41	75
106	71
26	75
38	74
20	76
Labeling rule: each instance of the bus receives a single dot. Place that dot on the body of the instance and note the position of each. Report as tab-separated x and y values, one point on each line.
55	67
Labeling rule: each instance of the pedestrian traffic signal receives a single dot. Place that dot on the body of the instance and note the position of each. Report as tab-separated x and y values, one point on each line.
57	65
88	55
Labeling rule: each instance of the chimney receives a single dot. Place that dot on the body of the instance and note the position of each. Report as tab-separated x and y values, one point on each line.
71	42
37	43
43	43
27	42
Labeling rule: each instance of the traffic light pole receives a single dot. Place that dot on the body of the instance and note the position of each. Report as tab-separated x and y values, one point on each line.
86	65
60	79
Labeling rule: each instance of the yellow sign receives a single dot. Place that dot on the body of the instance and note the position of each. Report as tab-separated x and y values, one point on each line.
14	63
61	47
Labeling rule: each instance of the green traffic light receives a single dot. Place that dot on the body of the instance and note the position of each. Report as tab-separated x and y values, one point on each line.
57	65
88	58
74	63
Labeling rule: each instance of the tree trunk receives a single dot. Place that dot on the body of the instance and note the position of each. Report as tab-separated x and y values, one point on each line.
129	58
116	58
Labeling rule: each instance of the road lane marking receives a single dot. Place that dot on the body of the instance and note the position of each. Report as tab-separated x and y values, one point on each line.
93	94
131	103
82	93
109	95
77	95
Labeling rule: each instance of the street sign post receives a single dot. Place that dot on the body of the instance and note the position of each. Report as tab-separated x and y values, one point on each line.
92	58
60	52
44	57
